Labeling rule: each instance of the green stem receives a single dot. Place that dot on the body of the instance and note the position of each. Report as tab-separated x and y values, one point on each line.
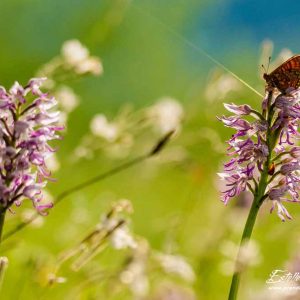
247	232
2	218
3	260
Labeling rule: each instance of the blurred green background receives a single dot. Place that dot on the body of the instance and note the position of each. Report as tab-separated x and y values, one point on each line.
149	50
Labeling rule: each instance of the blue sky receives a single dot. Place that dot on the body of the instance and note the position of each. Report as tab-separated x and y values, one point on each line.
237	21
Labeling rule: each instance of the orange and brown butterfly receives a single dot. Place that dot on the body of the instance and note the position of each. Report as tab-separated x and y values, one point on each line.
287	75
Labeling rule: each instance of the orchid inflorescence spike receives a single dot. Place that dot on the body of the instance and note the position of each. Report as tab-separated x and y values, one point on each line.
27	123
265	143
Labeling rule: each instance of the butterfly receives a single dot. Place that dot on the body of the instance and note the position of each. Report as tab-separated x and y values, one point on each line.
287	75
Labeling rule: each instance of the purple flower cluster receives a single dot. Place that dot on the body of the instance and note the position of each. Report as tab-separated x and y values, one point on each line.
264	149
27	123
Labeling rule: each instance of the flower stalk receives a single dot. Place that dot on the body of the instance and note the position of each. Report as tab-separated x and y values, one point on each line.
2	218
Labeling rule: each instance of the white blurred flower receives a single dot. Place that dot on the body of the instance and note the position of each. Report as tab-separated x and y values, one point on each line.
220	85
101	127
121	238
136	279
249	255
3	260
83	152
74	52
167	114
67	98
52	163
78	57
91	65
123	205
135	275
176	264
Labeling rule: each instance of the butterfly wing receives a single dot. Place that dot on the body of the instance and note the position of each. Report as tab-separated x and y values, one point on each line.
286	75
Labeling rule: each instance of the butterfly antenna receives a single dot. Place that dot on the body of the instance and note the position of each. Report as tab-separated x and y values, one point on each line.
198	49
265	71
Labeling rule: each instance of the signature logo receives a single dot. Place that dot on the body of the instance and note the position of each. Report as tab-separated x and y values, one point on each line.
279	276
282	279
